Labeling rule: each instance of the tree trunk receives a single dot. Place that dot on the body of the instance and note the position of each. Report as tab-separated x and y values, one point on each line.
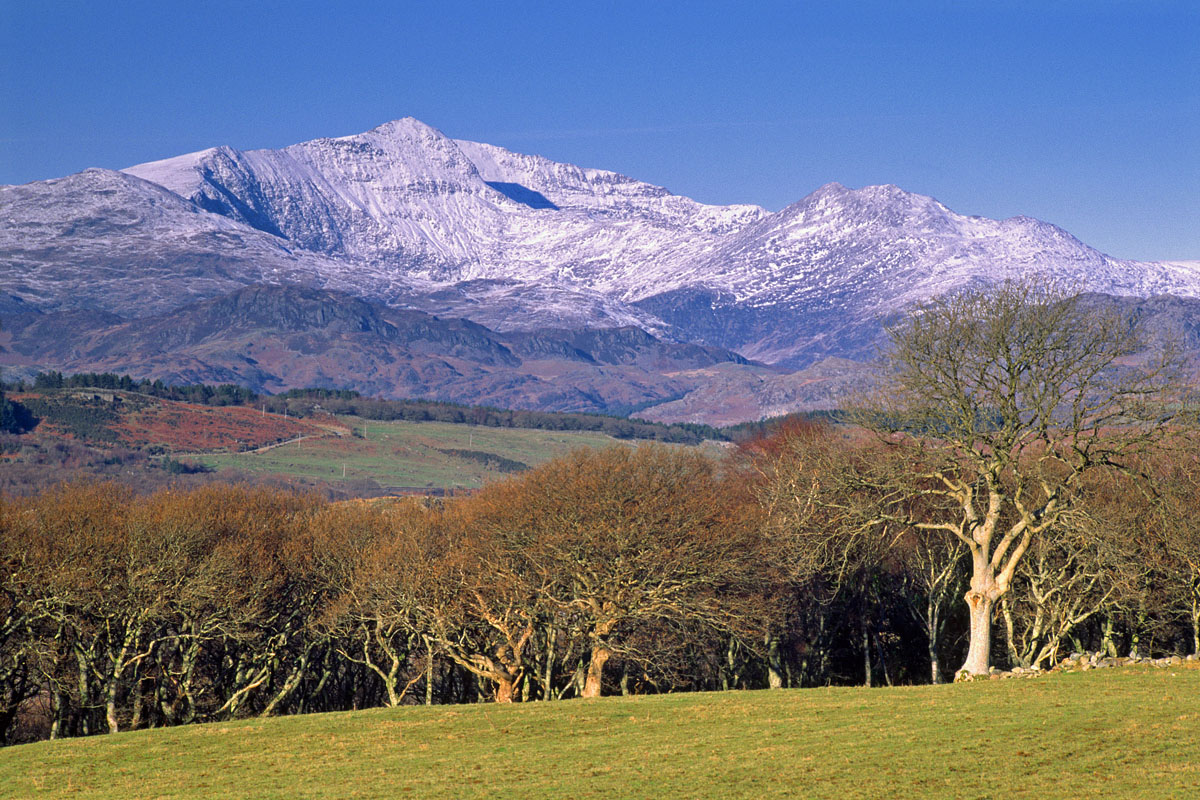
866	648
1135	638
979	651
595	673
59	727
981	599
774	671
729	675
548	681
887	676
428	673
110	706
1107	642
138	703
1010	635
85	695
932	626
504	689
289	685
1195	624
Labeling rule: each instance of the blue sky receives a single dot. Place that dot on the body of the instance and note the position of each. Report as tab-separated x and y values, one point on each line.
1085	114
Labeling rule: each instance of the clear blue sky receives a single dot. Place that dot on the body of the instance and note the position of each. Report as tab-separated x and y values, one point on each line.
1085	114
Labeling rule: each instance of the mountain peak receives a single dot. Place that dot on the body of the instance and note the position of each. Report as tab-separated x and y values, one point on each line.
405	126
884	205
876	194
406	132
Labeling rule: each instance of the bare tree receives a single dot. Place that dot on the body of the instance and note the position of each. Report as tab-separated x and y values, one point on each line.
822	492
1012	395
484	605
1169	530
1069	575
933	566
624	538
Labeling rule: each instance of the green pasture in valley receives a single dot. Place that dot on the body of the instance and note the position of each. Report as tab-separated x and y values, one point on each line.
1127	733
411	454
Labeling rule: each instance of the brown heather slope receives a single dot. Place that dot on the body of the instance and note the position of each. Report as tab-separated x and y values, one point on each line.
108	417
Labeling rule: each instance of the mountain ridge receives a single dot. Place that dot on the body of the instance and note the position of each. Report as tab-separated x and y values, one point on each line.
274	338
407	219
869	249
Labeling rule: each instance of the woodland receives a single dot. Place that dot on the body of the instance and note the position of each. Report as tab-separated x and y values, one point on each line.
630	570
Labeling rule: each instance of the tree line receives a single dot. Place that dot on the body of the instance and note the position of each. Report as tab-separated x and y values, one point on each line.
304	402
199	393
630	570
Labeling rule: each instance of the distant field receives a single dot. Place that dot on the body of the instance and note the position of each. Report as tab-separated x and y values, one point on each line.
1130	733
78	428
411	454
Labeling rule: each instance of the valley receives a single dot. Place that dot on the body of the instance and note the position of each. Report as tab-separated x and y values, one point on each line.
403	457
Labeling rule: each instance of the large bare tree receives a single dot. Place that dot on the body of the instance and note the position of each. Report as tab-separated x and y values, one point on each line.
1007	398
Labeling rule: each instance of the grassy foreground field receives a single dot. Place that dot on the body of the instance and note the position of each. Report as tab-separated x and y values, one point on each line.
1132	733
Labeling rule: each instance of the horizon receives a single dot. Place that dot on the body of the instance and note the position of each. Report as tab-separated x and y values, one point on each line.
1081	115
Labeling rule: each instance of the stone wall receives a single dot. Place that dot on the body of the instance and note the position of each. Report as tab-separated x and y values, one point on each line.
1080	662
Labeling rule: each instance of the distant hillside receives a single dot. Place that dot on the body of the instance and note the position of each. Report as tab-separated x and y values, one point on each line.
108	417
334	441
272	338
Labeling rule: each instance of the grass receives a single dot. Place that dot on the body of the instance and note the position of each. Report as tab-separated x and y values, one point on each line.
408	454
1128	733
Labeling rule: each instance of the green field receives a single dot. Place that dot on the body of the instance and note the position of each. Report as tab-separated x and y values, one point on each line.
408	454
1129	733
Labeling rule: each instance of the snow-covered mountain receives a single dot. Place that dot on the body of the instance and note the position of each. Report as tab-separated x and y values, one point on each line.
404	198
417	212
409	217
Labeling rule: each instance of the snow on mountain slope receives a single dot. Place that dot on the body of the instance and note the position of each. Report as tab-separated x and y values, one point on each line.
405	200
514	305
409	216
105	240
600	192
400	195
881	247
